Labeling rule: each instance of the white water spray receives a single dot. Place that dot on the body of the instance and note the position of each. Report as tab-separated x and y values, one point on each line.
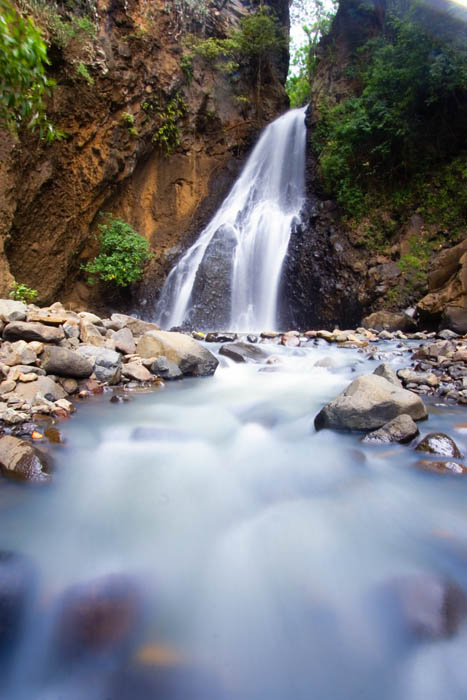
257	215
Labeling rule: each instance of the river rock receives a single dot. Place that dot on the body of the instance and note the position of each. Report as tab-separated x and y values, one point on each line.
386	371
66	363
21	330
11	310
43	385
165	369
137	372
90	334
368	403
135	325
124	342
242	352
21	353
19	461
448	467
220	337
439	444
455	318
408	376
100	615
192	358
431	607
389	321
108	363
400	429
18	579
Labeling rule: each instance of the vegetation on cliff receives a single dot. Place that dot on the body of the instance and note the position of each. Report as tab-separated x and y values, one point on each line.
395	139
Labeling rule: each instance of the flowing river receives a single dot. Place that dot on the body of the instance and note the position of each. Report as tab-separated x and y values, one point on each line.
260	554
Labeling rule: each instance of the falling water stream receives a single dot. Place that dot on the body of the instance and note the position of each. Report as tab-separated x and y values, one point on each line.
262	551
255	220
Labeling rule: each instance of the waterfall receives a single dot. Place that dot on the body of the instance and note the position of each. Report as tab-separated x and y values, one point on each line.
230	277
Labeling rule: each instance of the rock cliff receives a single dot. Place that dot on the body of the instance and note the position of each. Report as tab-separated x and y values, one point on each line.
122	88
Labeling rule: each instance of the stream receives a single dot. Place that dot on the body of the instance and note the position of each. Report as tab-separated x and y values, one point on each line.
258	556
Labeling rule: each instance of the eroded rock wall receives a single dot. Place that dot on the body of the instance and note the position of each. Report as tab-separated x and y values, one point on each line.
112	159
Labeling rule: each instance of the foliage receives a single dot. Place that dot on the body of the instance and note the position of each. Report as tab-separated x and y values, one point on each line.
20	292
122	254
127	119
316	19
409	117
167	135
83	72
24	84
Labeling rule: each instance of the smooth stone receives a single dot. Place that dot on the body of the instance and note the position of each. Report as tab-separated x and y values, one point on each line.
11	310
165	369
19	461
242	352
400	429
66	363
123	341
192	358
136	325
448	467
389	321
221	337
137	372
439	444
43	385
108	363
21	330
409	376
386	371
368	403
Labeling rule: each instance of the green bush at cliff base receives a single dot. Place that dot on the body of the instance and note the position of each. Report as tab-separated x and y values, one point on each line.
409	119
21	292
122	254
24	84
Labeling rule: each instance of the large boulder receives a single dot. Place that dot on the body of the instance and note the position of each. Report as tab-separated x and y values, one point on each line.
19	461
66	363
454	318
21	330
389	321
447	296
108	363
368	403
192	358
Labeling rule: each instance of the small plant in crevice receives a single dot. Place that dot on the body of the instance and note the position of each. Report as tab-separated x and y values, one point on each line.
83	72
21	292
122	254
127	119
167	135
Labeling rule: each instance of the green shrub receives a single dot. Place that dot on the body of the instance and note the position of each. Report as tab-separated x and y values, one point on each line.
167	135
122	254
20	292
83	72
127	119
24	84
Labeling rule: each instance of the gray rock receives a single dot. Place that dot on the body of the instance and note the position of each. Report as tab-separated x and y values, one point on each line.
42	385
447	334
21	330
124	341
389	321
165	369
439	444
108	363
401	429
11	310
66	363
367	404
192	358
19	461
221	337
242	352
409	376
136	326
386	371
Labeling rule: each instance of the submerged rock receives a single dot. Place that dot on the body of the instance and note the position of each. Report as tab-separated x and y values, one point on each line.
368	403
448	467
401	429
439	444
20	461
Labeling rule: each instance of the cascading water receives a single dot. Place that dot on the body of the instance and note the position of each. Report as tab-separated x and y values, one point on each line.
247	239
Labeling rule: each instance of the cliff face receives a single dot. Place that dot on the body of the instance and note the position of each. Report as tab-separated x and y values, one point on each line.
345	267
118	95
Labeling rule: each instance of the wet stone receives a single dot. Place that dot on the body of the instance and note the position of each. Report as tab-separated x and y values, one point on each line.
401	429
242	352
448	467
439	444
221	337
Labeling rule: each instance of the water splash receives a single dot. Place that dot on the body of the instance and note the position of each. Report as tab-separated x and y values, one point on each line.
244	245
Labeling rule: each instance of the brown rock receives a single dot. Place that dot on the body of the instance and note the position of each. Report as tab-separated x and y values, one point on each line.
19	461
45	386
136	371
21	330
448	467
389	321
135	325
